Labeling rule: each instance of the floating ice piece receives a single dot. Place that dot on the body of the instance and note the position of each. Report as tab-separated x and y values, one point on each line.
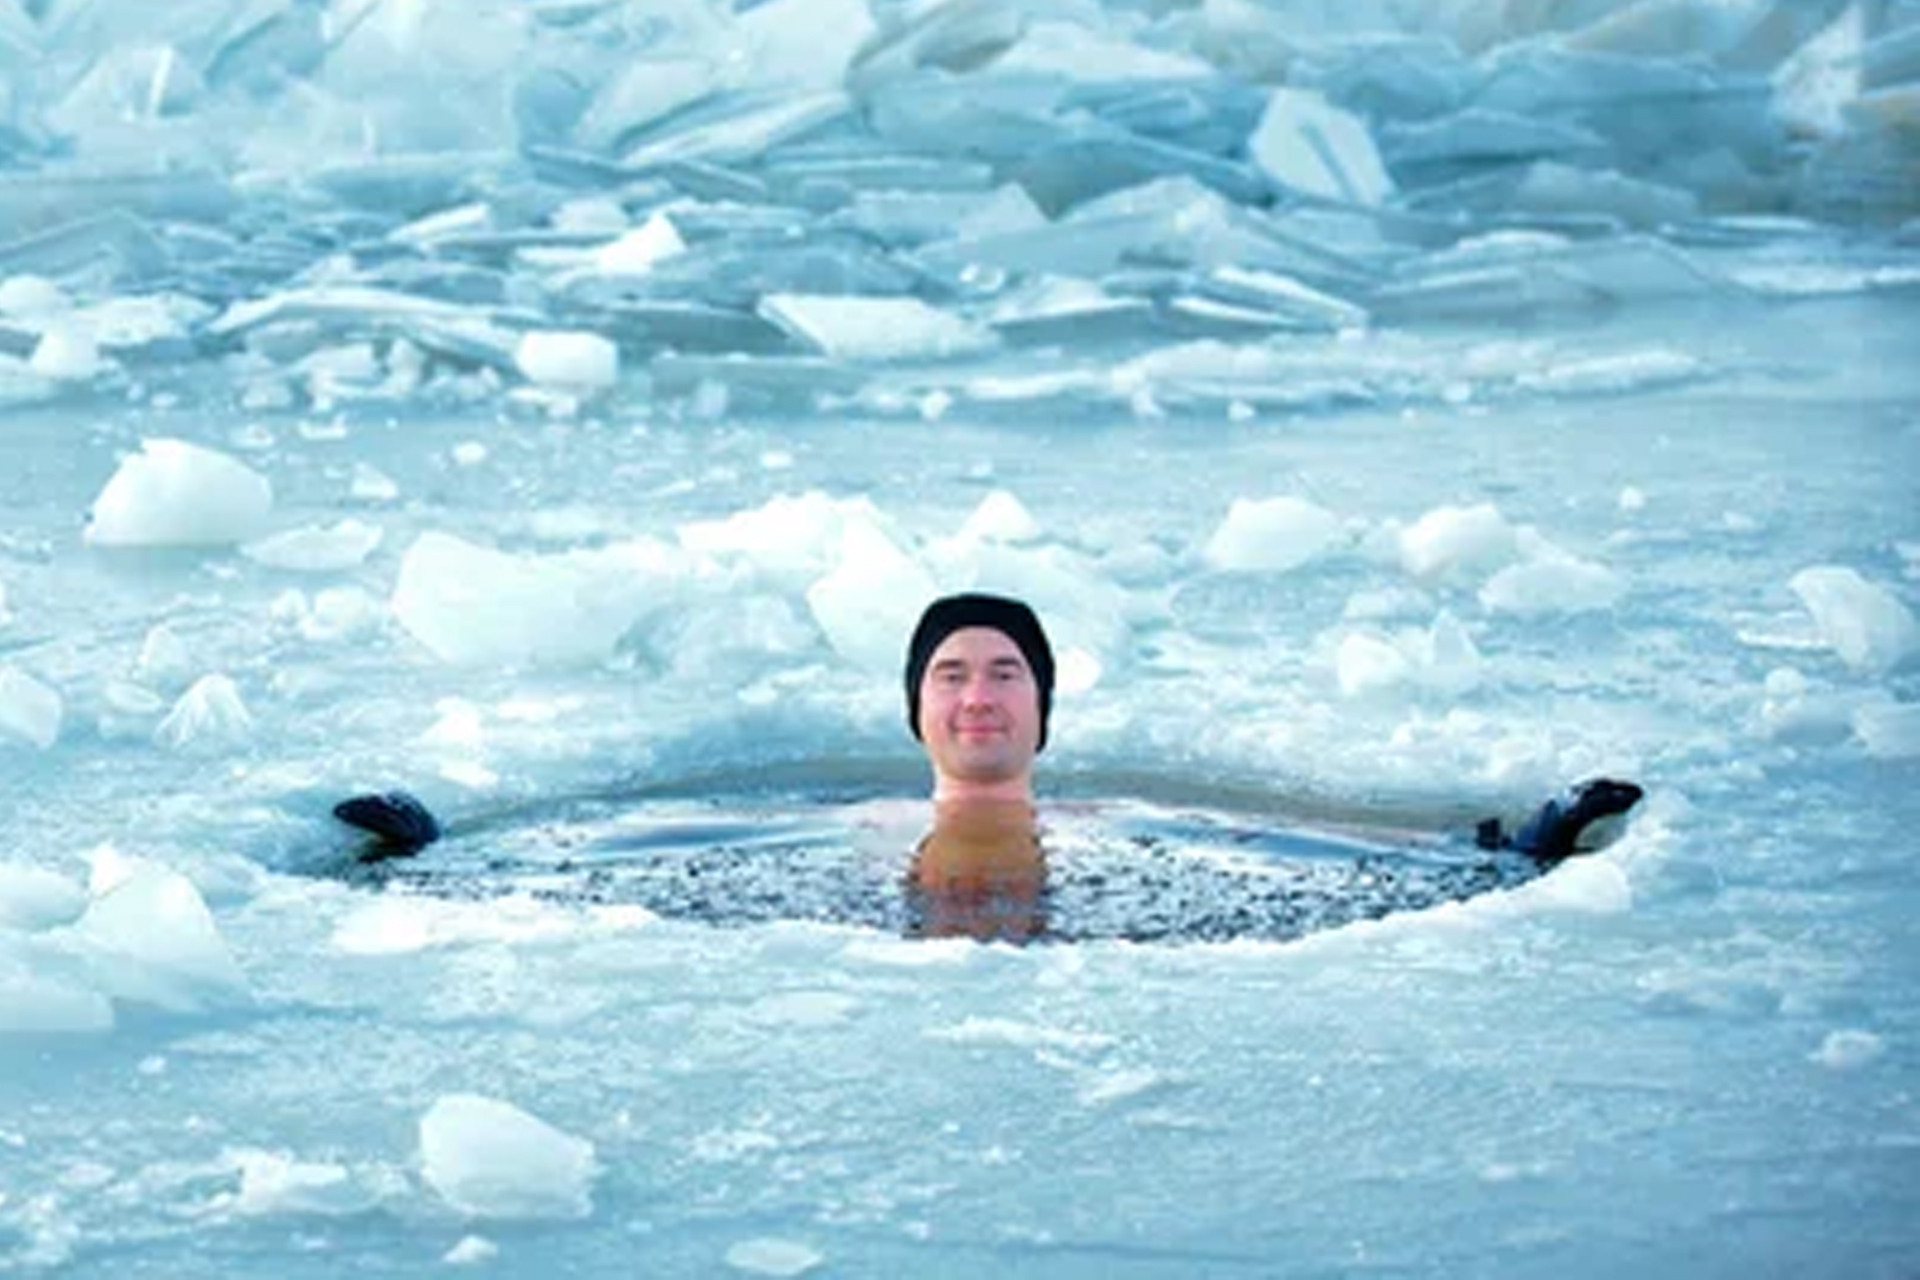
316	550
276	1182
164	656
66	352
1306	144
1889	731
738	127
1848	1049
1271	535
32	899
32	298
173	493
489	1159
1615	374
1054	309
1552	584
861	328
788	535
470	1251
473	605
30	711
870	598
1560	189
955	35
1478	134
148	937
1283	299
806	43
210	714
568	361
1441	657
766	1256
1451	540
1000	517
1863	623
639	250
38	998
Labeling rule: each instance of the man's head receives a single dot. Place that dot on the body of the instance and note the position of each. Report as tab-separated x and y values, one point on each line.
979	684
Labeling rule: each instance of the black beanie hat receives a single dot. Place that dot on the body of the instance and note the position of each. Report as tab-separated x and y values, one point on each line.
1010	618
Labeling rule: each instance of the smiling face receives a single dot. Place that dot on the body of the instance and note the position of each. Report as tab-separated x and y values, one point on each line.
980	716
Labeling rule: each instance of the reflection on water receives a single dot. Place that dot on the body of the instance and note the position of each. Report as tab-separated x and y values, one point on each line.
979	873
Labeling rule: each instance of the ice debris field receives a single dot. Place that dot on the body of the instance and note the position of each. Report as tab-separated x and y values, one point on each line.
1393	407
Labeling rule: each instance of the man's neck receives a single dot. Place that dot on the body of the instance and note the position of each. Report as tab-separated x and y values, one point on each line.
960	791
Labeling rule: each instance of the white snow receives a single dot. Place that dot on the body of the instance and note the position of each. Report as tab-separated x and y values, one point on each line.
489	1159
173	493
1865	624
1273	535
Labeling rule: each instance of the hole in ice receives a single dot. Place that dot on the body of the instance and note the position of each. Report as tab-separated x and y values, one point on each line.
1166	862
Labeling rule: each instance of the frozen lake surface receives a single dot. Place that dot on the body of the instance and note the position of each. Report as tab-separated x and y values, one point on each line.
1638	495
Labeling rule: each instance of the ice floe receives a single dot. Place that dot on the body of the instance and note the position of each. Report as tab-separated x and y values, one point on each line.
489	1159
1864	624
175	493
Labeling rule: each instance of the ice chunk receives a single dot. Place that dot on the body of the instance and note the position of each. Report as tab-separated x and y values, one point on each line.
568	361
871	597
1450	540
1272	535
208	715
1889	731
275	1182
37	999
1306	144
470	1251
30	712
164	656
32	298
5	617
865	328
766	1256
316	550
1000	517
67	352
473	605
1848	1049
1442	657
1862	622
957	35
1559	189
489	1159
173	493
739	127
806	43
32	899
148	937
1552	584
